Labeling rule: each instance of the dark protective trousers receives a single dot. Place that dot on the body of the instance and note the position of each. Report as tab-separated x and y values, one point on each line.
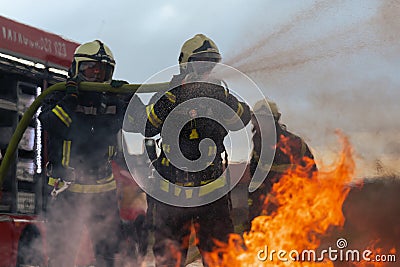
173	228
69	213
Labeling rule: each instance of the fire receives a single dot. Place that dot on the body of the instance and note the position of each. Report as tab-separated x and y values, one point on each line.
308	208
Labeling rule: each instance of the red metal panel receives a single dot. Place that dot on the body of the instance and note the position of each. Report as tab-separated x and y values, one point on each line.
27	42
11	228
7	244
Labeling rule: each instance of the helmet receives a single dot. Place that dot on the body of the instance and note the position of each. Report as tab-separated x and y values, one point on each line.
94	51
262	107
199	47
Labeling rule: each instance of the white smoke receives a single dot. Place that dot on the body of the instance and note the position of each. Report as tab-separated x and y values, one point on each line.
333	66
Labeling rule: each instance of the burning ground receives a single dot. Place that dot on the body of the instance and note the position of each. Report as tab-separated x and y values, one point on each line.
326	211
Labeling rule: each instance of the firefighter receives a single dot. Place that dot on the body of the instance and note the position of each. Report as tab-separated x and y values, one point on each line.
82	129
290	151
211	221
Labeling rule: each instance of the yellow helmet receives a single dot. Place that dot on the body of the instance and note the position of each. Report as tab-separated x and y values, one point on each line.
94	51
199	46
262	107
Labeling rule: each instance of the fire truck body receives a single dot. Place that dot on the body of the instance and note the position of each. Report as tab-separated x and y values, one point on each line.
21	240
30	61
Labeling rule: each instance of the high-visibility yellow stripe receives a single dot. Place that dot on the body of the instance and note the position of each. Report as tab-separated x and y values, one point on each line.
63	153
151	115
282	167
277	167
212	150
86	188
236	117
171	97
52	181
166	148
206	187
240	110
165	161
110	151
81	188
131	119
164	185
66	153
189	193
255	155
210	187
185	184
206	181
62	115
107	179
177	191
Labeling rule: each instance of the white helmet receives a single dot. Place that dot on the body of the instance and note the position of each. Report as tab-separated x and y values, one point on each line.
265	107
198	48
89	53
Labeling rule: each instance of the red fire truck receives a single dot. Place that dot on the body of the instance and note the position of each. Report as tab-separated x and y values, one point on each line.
30	61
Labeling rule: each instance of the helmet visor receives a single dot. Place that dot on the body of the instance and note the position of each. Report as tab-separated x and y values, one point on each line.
92	71
205	56
204	62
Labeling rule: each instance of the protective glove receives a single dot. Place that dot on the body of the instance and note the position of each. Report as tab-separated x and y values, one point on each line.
71	86
118	83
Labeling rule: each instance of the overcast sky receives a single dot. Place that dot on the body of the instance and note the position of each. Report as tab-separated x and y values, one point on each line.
328	64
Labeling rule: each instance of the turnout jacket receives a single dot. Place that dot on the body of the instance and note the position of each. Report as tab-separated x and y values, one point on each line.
197	128
290	152
82	136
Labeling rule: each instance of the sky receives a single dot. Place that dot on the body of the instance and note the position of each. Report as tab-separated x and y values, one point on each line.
329	65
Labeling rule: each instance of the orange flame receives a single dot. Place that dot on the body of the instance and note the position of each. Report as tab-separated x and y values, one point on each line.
383	258
308	207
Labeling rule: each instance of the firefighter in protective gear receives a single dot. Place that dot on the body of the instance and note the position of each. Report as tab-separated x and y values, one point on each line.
89	55
290	151
211	221
82	132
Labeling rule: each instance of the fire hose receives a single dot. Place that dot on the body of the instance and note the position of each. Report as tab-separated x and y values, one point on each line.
84	86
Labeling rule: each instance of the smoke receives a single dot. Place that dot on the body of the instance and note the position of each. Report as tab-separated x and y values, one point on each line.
372	216
76	227
334	65
388	22
294	44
